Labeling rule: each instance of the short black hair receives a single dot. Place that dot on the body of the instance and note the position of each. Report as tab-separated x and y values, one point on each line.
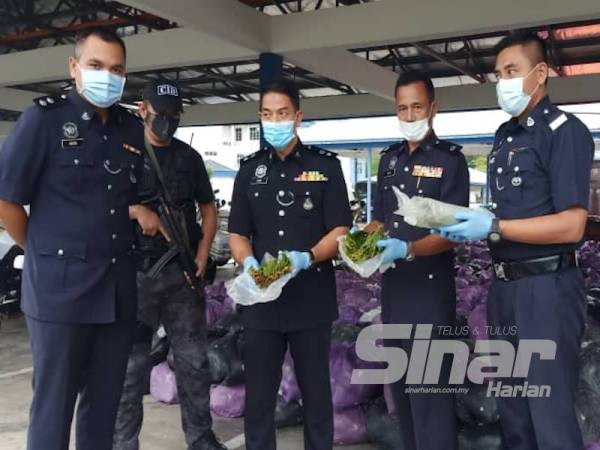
106	34
526	39
285	87
416	76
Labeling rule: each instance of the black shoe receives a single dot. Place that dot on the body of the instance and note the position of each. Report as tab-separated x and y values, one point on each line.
208	442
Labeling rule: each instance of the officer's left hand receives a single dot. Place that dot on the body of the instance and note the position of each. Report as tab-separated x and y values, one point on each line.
393	249
201	261
299	260
473	226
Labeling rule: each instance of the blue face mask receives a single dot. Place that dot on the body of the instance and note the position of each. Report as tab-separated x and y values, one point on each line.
278	134
101	88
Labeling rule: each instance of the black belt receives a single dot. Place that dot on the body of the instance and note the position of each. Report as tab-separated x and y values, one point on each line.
514	270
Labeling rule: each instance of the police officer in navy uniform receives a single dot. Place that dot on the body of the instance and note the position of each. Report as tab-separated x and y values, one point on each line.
165	297
289	197
75	159
539	173
420	288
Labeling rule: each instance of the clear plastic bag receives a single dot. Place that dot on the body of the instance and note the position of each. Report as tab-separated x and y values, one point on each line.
426	212
365	268
244	291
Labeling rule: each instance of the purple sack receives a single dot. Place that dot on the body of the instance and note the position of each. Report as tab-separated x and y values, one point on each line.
162	384
342	362
593	446
214	311
348	315
227	401
216	291
350	427
358	296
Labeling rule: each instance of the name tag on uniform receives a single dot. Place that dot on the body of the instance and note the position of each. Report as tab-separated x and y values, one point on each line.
71	143
428	171
389	173
259	180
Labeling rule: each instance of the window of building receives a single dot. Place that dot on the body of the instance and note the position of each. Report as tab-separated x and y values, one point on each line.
254	134
238	134
240	156
210	153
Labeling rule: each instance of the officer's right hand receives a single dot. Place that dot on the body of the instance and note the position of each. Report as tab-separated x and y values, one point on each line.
471	226
250	262
393	249
150	222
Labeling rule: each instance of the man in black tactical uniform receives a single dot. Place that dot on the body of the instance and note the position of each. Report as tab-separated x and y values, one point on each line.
166	298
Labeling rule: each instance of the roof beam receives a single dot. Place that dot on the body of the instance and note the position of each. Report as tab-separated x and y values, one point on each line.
229	20
392	22
206	40
150	51
346	67
337	106
16	99
423	48
564	90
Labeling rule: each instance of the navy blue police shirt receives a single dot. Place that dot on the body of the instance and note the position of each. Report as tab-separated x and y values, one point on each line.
436	169
79	177
537	167
276	206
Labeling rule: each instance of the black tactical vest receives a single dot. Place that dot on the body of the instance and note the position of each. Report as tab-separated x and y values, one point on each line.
178	165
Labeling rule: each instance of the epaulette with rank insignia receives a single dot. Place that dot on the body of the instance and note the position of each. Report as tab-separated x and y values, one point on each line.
321	151
252	155
556	119
390	148
447	145
48	102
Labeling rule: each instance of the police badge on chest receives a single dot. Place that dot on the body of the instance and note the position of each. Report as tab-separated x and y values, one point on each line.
391	170
260	175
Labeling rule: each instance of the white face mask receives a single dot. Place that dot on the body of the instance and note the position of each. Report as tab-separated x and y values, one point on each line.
414	131
511	97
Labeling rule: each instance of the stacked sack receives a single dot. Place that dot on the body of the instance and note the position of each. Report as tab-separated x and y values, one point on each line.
366	413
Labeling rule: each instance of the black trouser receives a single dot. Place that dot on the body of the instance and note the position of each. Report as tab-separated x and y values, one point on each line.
170	301
417	411
550	306
72	359
416	296
263	355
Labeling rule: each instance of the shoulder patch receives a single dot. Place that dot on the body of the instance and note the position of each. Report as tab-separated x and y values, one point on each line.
50	101
251	156
447	145
557	122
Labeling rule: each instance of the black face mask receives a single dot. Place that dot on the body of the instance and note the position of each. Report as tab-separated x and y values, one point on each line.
164	127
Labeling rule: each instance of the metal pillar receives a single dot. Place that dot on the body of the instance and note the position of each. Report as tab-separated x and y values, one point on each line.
271	68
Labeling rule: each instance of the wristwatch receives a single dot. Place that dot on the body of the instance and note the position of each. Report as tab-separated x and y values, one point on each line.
410	252
495	236
312	258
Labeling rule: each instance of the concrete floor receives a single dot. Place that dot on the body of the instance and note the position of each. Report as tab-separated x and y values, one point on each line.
161	431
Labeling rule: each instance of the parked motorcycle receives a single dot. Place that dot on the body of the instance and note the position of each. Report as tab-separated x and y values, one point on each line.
10	277
220	250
